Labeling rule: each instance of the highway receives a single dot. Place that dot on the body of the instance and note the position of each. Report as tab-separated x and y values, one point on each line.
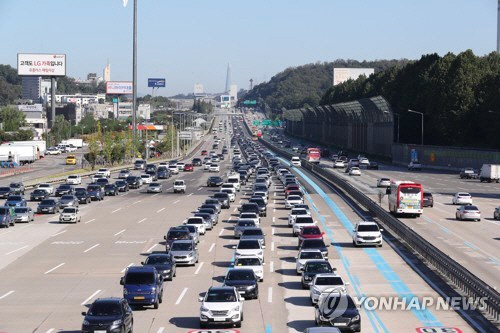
49	272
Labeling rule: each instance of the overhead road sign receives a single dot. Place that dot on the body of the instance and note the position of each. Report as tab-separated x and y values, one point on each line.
41	64
119	88
249	102
185	135
156	83
266	122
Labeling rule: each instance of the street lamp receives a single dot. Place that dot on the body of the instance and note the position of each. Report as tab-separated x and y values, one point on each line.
422	115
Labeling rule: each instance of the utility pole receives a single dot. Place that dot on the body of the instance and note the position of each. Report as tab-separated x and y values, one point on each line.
134	75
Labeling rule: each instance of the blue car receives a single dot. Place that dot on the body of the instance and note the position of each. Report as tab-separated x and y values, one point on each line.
6	217
15	201
142	285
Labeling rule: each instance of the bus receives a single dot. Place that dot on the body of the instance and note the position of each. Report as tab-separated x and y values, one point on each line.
313	155
406	198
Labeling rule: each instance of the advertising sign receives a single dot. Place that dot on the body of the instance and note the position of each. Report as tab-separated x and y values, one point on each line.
40	64
156	83
119	88
185	135
343	74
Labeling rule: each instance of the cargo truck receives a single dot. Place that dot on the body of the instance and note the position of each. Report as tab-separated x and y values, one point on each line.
78	143
41	145
26	153
490	173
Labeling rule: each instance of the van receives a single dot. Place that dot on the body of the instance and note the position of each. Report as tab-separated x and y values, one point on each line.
142	285
234	179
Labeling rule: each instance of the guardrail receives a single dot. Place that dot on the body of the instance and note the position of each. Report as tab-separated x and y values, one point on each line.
468	283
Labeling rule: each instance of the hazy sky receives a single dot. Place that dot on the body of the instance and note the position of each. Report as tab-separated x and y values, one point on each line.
190	41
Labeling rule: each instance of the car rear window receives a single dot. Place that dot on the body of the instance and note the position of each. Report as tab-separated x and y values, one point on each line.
140	278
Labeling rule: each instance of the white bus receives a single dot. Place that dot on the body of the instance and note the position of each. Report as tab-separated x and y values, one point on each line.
405	198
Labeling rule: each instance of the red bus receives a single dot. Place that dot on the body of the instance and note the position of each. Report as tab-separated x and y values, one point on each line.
406	198
313	155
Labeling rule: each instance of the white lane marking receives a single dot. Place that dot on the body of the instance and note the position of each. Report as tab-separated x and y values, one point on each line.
240	201
6	232
137	202
144	219
273	230
199	268
271	266
160	210
151	248
50	330
19	249
274	219
221	231
123	270
53	269
270	294
120	232
176	201
90	248
90	297
181	296
168	189
114	211
6	294
160	330
272	246
211	247
201	188
62	232
235	209
190	194
154	195
89	221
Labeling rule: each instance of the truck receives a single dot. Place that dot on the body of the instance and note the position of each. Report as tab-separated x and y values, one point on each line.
40	144
25	153
78	143
490	173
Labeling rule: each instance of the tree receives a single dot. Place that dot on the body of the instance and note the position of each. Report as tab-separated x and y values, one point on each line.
94	151
107	147
61	129
12	118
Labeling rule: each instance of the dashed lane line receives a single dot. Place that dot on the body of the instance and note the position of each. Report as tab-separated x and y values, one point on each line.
91	248
53	269
90	297
181	296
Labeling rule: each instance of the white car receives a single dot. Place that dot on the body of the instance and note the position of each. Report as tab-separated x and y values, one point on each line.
46	187
339	164
262	194
251	216
354	171
70	214
230	193
364	161
147	179
221	305
383	182
197	222
301	221
215	158
207	166
249	247
105	171
53	151
468	212
296	212
367	233
252	262
304	256
295	161
95	177
214	167
180	166
325	283
229	186
293	200
173	169
74	180
462	198
163	164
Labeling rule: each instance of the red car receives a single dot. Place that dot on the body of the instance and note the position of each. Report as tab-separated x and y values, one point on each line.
310	232
188	167
291	187
204	152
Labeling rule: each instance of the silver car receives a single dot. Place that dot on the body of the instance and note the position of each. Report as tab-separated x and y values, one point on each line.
304	256
184	252
70	214
24	214
154	188
325	282
250	216
468	212
68	200
242	225
193	231
123	174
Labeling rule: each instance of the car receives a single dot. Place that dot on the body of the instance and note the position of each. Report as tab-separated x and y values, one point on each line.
180	166
230	193
46	186
414	165
223	199
24	214
52	151
215	158
102	182
133	182
74	180
309	232
305	255
250	262
372	166
261	204
214	168
496	213
428	200
163	172
302	221
324	283
367	233
17	188
15	201
188	167
198	222
177	233
196	161
204	152
110	189
244	280
313	267
305	206
193	232
292	200
468	212
321	330
179	186
249	208
95	192
163	263
154	188
142	285
349	320
211	211
184	252
152	174
139	164
151	168
123	174
212	201
296	212
96	177
221	305
354	171
241	225
38	195
468	173
82	195
315	243
7	216
108	315
173	169
64	189
383	182
146	178
70	214
339	164
462	198
214	181
122	186
207	166
68	200
254	233
105	172
207	220
295	161
247	247
71	160
48	206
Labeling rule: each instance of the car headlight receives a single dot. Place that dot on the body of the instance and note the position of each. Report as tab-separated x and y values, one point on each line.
236	308
259	253
85	322
250	287
125	291
316	292
355	318
190	254
166	271
153	291
204	309
117	322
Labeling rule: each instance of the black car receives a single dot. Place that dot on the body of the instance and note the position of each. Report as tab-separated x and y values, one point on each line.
197	161
5	191
95	192
315	244
428	199
108	315
82	195
223	199
153	175
151	167
102	182
350	320
122	186
64	189
163	172
313	267
133	182
110	189
163	263
244	280
372	165
221	156
48	206
215	181
39	195
249	208
176	233
261	203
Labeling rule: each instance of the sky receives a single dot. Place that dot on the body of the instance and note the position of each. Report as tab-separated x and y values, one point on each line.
193	41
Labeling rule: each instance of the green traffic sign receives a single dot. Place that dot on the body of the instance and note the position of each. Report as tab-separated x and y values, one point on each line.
266	122
256	122
250	102
115	100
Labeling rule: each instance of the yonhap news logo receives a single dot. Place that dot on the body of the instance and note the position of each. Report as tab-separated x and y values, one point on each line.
334	304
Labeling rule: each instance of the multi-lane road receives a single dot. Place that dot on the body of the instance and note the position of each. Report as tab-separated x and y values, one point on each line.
50	272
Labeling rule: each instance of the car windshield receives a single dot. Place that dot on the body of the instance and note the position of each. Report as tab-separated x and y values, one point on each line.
145	176
248	262
409	190
67	197
293	198
220	195
73	177
15	198
248	245
194	221
300	220
253	232
212	201
220	296
368	227
158	260
177	234
69	210
246	224
329	281
206	210
140	278
109	187
4	211
463	194
48	202
311	231
319	267
311	255
21	210
191	228
39	192
93	188
105	309
427	194
176	246
248	215
178	183
64	187
15	185
154	184
470	208
313	243
4	189
240	274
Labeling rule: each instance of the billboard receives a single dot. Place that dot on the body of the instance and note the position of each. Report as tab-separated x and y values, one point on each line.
41	64
185	135
119	88
156	83
343	74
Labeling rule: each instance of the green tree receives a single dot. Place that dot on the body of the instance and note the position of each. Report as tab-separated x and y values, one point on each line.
94	151
12	118
107	147
61	129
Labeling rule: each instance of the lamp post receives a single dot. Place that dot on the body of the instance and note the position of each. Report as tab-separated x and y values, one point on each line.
134	75
422	115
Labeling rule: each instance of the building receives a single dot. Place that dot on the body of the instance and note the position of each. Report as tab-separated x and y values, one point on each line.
144	111
125	110
71	112
78	99
198	90
36	88
343	74
34	118
98	110
106	74
233	93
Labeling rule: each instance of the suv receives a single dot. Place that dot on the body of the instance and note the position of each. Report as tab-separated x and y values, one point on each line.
367	233
221	305
184	252
139	165
247	247
108	315
95	192
179	186
300	222
175	233
6	216
17	188
142	285
428	200
468	173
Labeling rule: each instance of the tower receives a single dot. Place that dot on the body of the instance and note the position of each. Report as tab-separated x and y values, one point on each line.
251	80
107	72
228	77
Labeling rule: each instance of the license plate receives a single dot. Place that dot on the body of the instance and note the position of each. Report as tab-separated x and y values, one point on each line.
410	207
340	324
241	291
100	331
219	319
138	297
